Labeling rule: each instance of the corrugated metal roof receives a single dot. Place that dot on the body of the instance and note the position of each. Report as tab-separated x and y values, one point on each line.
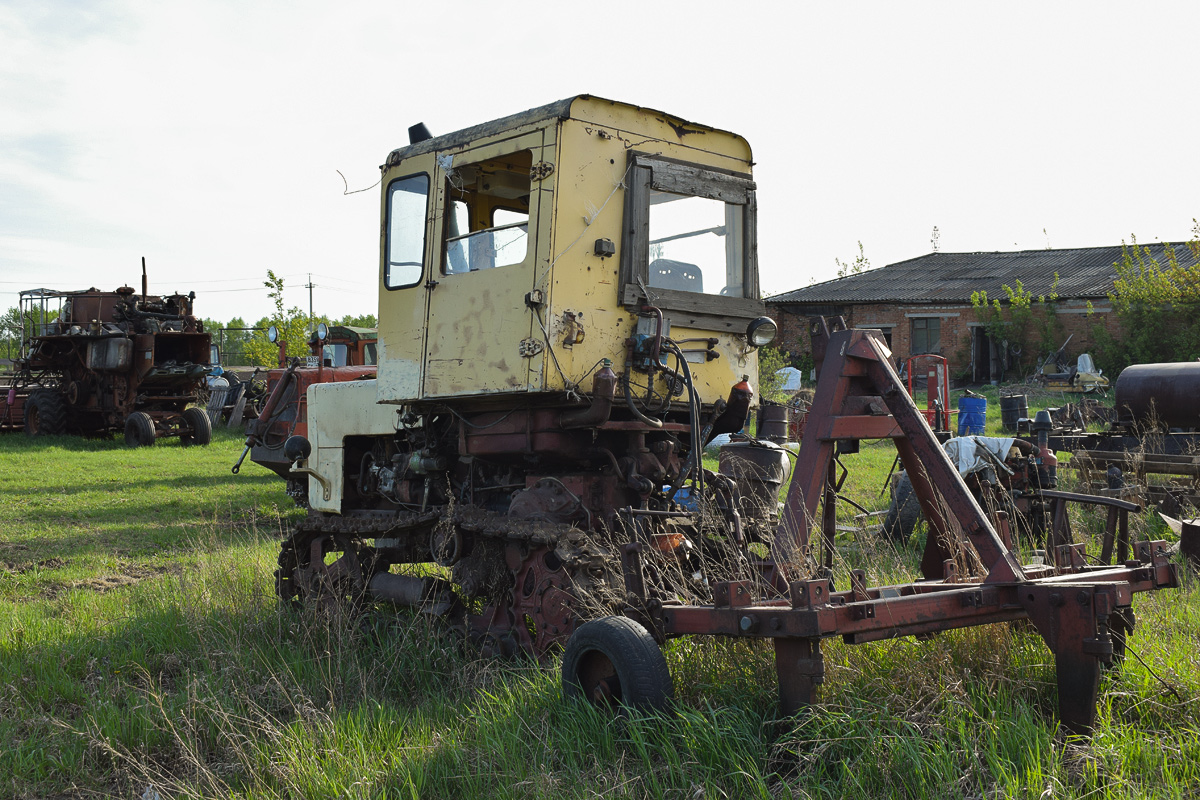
1084	273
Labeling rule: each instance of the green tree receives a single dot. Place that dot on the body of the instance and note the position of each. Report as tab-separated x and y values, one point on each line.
232	338
13	328
860	264
10	333
770	383
1157	301
1021	322
363	321
293	326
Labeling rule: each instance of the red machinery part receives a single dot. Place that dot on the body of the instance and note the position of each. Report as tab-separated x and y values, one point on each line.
1083	612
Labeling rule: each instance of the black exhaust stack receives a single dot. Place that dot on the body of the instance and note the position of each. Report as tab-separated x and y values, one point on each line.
418	133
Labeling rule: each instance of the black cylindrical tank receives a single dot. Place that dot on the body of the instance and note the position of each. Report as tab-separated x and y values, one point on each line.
1169	393
1013	408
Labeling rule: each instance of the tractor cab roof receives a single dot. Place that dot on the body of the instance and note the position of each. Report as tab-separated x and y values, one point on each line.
576	107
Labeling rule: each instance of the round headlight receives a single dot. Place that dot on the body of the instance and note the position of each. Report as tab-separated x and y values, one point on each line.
761	332
272	334
322	331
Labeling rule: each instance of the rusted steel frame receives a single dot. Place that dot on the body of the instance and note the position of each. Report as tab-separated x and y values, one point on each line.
1116	526
1071	611
829	515
924	456
957	605
856	360
800	668
635	426
1155	574
932	460
1075	620
837	411
886	618
261	425
1091	499
811	473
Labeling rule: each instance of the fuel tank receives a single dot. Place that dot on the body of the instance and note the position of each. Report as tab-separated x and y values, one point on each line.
1169	393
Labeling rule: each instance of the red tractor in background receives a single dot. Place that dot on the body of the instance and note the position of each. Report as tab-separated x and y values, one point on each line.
337	353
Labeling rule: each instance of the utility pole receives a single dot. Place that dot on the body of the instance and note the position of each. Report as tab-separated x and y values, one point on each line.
309	286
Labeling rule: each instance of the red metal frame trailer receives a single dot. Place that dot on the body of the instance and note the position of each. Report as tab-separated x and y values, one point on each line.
972	575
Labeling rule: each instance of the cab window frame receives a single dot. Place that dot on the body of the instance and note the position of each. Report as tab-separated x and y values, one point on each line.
648	172
475	234
387	232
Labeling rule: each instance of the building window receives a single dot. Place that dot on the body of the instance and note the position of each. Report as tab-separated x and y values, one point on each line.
926	335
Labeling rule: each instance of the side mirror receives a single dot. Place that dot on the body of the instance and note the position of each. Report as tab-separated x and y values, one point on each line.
272	334
322	331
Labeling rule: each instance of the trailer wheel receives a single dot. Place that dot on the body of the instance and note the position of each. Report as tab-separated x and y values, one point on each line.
139	430
197	429
903	514
613	662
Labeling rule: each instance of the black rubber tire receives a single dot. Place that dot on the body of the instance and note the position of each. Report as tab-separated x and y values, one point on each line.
197	429
903	514
614	662
139	430
45	413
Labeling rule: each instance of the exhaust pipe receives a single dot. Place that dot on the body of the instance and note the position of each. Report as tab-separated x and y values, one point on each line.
430	595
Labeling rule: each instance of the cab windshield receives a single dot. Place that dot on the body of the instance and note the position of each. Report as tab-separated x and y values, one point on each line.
696	244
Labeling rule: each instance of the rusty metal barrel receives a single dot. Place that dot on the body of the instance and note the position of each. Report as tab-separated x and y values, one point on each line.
773	422
1167	393
1013	407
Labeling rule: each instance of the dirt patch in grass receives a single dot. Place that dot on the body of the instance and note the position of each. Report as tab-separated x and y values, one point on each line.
127	576
17	568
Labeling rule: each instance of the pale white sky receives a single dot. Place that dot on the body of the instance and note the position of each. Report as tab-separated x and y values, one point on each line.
206	136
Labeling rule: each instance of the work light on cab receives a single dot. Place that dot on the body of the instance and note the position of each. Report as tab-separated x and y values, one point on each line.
761	332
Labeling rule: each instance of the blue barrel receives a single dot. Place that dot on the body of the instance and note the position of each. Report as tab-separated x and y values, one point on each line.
972	416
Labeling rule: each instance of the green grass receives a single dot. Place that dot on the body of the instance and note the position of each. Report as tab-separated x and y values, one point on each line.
140	645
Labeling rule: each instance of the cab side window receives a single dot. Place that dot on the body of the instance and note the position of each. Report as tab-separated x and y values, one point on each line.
487	222
407	201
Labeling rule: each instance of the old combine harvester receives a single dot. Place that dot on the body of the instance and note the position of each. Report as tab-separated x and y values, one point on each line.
569	308
95	362
337	353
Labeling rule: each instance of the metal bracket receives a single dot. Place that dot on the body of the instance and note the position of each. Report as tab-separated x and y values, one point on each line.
1071	557
809	594
528	348
302	468
732	594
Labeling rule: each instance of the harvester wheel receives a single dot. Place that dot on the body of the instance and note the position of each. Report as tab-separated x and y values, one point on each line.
197	429
903	514
139	430
45	413
613	662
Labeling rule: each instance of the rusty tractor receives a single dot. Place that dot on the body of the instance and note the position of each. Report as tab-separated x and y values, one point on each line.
337	353
568	313
96	362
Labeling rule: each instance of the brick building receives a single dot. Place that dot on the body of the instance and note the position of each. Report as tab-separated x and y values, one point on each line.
923	305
